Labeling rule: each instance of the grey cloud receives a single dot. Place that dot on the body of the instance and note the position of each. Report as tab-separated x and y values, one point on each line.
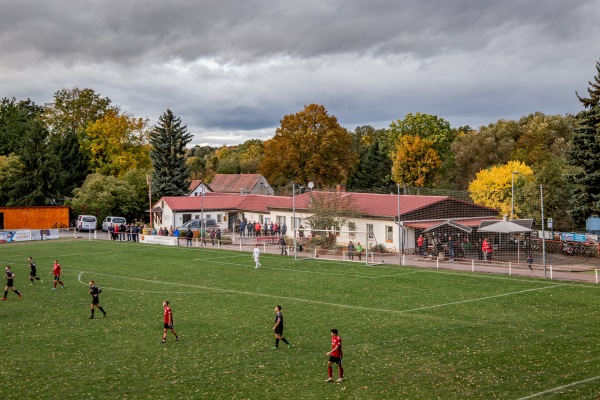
233	69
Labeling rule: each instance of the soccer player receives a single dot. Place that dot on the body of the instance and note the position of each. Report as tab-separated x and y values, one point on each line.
57	271
335	356
168	322
95	291
256	255
9	276
278	328
32	271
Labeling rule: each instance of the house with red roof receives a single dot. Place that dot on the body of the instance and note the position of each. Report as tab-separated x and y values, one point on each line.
241	184
387	219
197	187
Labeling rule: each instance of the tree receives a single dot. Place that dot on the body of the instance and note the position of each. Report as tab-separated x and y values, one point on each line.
36	184
116	143
68	166
374	169
250	156
331	210
105	195
430	127
168	154
416	162
10	168
425	126
309	146
478	150
14	117
73	110
585	154
493	187
137	179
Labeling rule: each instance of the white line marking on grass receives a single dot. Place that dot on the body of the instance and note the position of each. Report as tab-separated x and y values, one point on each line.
135	290
241	292
401	274
483	298
556	389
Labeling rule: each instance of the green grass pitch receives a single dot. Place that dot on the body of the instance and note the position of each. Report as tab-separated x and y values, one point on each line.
408	333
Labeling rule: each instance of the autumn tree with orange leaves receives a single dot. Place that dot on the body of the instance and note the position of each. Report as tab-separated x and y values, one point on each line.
309	146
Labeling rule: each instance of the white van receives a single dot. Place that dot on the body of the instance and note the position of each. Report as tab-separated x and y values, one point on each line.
86	223
113	220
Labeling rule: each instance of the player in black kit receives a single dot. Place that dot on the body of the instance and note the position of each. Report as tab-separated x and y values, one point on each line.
32	271
9	276
95	291
278	328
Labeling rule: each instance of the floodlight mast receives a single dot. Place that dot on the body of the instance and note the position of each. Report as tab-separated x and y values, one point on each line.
294	228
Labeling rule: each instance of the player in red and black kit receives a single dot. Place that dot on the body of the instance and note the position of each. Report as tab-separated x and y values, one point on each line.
278	328
95	291
57	271
9	276
168	322
335	356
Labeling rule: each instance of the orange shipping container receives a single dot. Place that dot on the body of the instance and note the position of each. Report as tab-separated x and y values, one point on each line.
43	217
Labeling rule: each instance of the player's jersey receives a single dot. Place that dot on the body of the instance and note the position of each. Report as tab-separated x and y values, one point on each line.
256	253
56	269
336	341
279	316
94	291
168	315
32	266
9	276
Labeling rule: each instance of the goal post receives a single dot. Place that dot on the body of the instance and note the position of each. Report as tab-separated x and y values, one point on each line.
330	244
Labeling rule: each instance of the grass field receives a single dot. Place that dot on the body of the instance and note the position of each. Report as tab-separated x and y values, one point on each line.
408	333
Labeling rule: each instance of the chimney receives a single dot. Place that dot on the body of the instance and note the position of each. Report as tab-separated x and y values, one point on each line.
340	188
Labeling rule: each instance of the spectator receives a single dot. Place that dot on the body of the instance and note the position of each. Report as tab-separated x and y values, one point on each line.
176	235
451	249
487	249
189	235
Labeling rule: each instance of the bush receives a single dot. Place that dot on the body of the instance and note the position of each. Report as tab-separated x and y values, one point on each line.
322	242
378	248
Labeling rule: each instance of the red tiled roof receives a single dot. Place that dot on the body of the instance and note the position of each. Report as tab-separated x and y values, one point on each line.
378	205
194	184
233	183
369	204
225	201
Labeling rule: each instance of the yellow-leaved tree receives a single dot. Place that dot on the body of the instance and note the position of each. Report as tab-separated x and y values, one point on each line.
492	187
117	143
415	162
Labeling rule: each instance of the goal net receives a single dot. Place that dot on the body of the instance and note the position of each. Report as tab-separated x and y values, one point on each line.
339	245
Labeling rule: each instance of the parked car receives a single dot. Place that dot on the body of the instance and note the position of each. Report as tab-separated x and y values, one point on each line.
195	224
113	220
86	223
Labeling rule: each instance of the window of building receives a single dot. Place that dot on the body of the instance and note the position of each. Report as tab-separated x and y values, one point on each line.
296	223
389	234
370	233
352	227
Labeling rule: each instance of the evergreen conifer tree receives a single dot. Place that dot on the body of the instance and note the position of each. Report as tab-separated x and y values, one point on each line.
168	139
374	170
585	153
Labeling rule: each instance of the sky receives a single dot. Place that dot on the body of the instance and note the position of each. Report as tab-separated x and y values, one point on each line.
231	70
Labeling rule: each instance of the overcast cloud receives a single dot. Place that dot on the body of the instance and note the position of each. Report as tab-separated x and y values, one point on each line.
232	69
